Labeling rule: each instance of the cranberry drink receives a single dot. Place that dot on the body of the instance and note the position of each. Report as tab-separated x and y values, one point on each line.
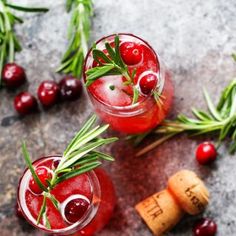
66	198
129	86
84	200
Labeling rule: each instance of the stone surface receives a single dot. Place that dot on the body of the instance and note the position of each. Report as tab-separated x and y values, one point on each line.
195	39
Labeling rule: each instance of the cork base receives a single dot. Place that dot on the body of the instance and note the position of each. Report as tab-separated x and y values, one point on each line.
160	211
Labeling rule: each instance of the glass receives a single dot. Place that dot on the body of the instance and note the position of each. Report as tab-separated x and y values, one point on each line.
114	107
95	186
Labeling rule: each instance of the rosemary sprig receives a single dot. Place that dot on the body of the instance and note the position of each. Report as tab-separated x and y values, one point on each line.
9	43
111	64
79	157
78	34
220	119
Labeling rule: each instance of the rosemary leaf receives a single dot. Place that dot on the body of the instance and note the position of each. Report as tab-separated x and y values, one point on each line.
31	168
78	35
9	43
27	9
47	223
84	168
220	119
42	209
135	95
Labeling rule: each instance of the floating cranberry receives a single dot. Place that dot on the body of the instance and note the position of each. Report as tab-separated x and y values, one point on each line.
55	164
206	153
131	53
75	209
205	227
13	75
70	88
48	93
148	83
25	103
43	175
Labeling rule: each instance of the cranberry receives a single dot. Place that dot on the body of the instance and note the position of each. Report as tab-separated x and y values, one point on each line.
70	88
13	75
205	227
75	209
131	53
55	164
43	174
148	83
48	93
25	103
206	153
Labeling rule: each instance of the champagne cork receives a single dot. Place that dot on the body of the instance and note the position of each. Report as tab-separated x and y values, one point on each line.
163	210
189	191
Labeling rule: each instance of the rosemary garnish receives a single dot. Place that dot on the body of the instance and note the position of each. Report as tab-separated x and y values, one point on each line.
220	119
111	64
9	43
78	34
79	157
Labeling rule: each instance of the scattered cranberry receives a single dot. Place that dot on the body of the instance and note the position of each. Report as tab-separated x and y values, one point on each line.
13	75
43	174
205	227
75	209
206	153
70	88
25	103
48	93
148	83
131	53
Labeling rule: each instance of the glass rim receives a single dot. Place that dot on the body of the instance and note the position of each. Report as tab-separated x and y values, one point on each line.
88	215
131	106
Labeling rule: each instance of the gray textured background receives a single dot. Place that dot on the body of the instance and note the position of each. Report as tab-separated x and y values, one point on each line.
195	39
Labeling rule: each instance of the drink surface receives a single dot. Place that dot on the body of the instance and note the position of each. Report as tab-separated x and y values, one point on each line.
79	186
112	99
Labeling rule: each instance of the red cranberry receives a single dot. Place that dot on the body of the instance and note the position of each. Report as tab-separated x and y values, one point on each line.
206	153
43	174
13	75
25	103
48	93
55	164
75	209
131	53
148	83
205	227
70	88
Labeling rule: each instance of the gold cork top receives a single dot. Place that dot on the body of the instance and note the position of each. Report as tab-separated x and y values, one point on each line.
189	190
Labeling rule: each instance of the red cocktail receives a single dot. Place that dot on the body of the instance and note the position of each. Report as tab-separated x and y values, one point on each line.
93	193
113	96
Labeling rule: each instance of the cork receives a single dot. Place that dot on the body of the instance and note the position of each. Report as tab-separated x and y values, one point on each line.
160	211
189	190
185	192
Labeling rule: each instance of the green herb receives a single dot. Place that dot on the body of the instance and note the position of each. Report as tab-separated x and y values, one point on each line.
81	151
111	64
79	157
234	56
42	209
9	43
112	87
78	34
220	119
